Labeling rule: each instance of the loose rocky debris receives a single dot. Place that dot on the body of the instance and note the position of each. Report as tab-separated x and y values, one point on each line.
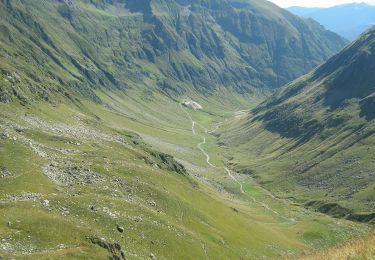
4	172
26	196
69	174
45	203
61	247
73	143
135	218
19	129
7	136
151	203
113	248
11	245
120	229
78	132
7	247
5	96
4	136
112	214
119	184
37	148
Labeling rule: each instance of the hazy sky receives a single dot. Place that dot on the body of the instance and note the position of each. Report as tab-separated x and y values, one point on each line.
316	3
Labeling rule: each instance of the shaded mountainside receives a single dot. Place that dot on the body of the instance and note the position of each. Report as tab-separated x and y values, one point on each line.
77	47
347	79
315	138
348	20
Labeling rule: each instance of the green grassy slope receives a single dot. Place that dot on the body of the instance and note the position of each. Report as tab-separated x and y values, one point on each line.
92	134
96	172
314	140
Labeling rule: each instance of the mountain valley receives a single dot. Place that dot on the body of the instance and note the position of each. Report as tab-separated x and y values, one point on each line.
182	129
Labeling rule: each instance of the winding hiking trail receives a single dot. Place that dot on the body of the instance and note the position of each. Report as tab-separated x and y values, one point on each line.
208	158
234	178
228	171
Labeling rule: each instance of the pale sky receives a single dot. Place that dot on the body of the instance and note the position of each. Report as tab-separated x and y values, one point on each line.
317	3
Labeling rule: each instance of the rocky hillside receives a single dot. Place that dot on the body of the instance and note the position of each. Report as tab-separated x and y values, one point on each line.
318	133
55	47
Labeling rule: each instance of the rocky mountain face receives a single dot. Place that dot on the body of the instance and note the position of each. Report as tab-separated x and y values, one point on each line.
323	131
75	47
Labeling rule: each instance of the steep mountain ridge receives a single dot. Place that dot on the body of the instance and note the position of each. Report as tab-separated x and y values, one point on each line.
315	137
344	77
168	45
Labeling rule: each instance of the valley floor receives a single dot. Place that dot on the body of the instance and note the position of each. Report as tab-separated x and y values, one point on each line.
90	180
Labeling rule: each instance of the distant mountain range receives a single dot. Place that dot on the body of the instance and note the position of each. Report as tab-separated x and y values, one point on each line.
348	20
